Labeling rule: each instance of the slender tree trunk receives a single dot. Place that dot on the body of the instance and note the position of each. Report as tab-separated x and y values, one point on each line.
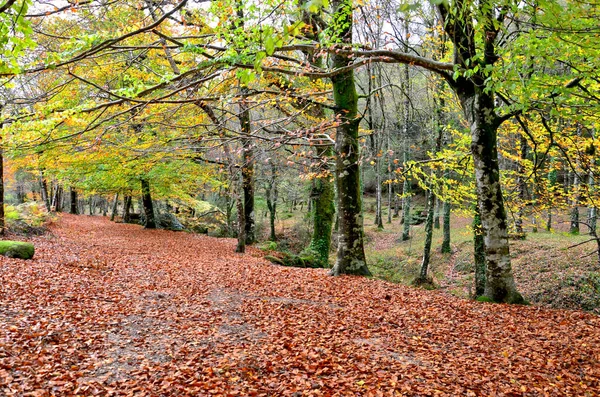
478	254
446	209
406	189
241	214
574	229
74	203
428	237
351	254
379	199
44	191
436	215
114	207
20	193
147	204
92	205
272	195
389	198
592	210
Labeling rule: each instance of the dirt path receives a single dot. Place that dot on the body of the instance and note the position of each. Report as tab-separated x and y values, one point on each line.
108	309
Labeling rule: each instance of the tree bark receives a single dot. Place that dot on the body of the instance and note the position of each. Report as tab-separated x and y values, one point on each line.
428	237
478	254
114	207
324	208
272	195
44	191
147	204
574	229
73	207
241	214
446	208
351	254
436	215
127	209
406	189
247	170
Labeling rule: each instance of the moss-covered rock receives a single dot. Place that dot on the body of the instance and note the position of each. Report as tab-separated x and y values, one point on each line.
17	249
285	259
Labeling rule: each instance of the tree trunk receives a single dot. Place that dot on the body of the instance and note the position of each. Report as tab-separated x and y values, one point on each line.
428	237
127	209
147	204
115	206
272	195
406	188
351	253
478	254
324	208
73	209
247	169
241	214
379	204
446	208
44	191
574	229
436	215
479	110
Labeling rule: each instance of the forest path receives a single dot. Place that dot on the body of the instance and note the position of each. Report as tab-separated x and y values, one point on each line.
113	309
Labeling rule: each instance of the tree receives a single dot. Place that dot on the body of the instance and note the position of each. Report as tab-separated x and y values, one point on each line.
350	255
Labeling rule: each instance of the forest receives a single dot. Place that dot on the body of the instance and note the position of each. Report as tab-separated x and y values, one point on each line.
299	197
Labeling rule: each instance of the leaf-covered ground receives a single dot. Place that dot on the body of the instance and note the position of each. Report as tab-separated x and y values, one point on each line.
109	309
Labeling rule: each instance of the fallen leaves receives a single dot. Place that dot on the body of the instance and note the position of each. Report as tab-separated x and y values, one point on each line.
139	312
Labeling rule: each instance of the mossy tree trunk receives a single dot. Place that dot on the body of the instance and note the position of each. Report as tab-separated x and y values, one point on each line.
147	204
351	254
323	196
428	237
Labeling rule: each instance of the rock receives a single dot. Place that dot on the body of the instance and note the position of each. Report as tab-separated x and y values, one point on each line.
17	249
168	221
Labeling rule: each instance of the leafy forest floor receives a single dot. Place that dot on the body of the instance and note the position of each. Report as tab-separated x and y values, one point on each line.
112	309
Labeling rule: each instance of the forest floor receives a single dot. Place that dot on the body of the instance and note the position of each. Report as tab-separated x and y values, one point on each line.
112	309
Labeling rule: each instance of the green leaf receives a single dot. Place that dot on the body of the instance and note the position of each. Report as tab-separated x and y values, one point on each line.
269	45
